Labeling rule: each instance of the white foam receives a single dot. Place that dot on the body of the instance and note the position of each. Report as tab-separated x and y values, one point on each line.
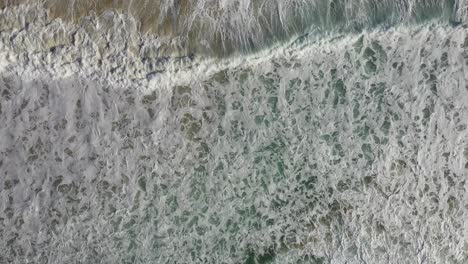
322	148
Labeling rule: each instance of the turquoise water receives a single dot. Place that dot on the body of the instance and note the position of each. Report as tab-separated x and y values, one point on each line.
347	147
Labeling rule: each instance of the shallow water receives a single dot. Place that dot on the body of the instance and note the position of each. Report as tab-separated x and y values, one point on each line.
222	28
333	148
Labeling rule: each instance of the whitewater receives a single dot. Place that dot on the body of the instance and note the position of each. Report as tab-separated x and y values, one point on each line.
234	131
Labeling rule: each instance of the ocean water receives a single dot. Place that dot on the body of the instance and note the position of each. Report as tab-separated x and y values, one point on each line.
306	132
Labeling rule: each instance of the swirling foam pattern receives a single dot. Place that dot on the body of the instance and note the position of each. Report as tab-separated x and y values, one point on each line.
347	148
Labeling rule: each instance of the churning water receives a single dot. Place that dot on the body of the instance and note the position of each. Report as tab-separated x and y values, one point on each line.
211	131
